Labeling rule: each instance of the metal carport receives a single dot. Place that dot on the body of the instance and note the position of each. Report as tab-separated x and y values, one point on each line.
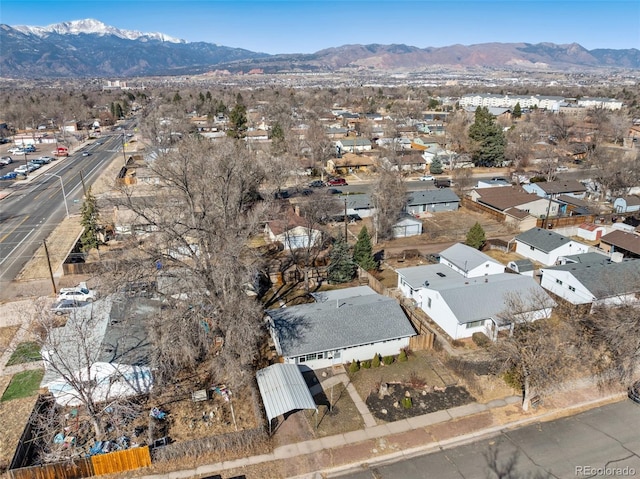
283	389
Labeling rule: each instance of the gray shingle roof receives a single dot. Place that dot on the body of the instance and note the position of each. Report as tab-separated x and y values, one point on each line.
486	296
465	257
473	299
347	322
356	202
605	278
543	240
429	197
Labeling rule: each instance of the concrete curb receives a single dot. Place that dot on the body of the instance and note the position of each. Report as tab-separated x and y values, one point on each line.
290	451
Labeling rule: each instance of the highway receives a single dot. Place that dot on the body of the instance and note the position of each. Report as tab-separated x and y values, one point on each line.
36	205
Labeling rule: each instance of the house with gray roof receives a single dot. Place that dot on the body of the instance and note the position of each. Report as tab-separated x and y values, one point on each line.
341	326
546	246
470	262
553	189
432	201
462	306
358	204
594	279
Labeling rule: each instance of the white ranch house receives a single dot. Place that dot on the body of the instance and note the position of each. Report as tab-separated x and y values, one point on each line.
545	246
342	326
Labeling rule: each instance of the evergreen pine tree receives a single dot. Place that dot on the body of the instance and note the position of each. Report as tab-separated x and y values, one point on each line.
436	166
363	251
89	221
517	111
489	139
238	121
341	266
475	237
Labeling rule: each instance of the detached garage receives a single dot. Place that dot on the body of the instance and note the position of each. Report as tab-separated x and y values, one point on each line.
407	226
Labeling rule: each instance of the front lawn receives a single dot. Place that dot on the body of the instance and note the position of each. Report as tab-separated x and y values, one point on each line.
23	384
25	352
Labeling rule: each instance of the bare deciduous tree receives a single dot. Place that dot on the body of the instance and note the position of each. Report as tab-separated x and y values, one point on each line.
534	355
389	198
203	211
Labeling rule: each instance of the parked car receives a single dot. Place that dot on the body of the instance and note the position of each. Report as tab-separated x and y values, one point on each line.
38	161
634	392
9	176
33	166
79	293
45	159
337	182
29	149
317	184
562	168
333	191
427	178
65	306
16	150
22	169
6	160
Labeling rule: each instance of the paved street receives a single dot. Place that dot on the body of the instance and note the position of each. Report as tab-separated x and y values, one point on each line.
602	442
35	207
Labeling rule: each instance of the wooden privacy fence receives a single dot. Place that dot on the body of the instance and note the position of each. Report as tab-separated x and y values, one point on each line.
110	463
422	342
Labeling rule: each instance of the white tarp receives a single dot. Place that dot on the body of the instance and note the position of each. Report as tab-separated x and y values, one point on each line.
103	382
283	389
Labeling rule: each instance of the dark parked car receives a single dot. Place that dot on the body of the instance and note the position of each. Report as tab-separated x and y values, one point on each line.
317	184
333	191
337	182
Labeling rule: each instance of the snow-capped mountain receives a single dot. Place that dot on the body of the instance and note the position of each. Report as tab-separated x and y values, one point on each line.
95	27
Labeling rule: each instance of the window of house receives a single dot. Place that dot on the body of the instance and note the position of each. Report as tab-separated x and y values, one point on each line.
531	248
559	281
475	324
428	302
571	288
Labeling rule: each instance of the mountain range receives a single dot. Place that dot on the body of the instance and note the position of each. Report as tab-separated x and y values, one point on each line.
89	48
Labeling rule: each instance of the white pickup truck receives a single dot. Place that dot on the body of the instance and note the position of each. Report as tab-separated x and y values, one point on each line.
78	293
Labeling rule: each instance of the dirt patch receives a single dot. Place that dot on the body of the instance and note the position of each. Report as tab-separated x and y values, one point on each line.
13	418
65	234
6	335
401	401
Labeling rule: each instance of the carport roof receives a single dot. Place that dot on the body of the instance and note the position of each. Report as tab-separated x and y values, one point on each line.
283	389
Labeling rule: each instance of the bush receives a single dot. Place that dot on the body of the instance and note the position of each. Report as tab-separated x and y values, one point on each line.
481	339
387	360
375	362
513	378
457	343
365	364
402	357
354	367
407	403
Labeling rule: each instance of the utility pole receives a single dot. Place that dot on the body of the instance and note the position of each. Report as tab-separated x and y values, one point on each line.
346	238
124	155
84	187
46	252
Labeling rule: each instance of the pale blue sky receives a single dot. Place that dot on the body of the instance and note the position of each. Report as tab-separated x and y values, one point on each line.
305	26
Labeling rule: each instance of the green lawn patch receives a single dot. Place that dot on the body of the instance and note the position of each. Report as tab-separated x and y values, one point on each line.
25	352
23	384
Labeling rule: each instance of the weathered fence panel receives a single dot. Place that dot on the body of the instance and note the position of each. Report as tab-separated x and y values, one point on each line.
60	470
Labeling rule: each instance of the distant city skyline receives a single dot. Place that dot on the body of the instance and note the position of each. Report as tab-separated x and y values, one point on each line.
302	26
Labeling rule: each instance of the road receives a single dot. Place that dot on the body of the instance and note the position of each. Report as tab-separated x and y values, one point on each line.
602	442
36	206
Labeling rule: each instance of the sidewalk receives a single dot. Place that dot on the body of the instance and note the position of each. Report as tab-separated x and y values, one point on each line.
384	443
